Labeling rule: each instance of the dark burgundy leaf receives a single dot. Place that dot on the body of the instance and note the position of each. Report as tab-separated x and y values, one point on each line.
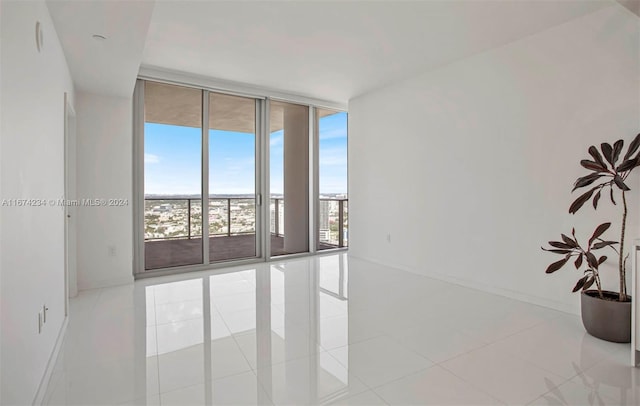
602	259
627	165
586	180
603	244
580	283
580	201
557	265
620	183
594	166
607	151
578	262
555	251
596	198
593	151
599	231
592	260
617	149
633	147
561	245
569	241
588	283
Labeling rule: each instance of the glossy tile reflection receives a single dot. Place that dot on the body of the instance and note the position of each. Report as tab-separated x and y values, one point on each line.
328	330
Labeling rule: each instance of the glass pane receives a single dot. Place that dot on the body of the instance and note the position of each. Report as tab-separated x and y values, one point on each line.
232	177
172	176
289	160
332	163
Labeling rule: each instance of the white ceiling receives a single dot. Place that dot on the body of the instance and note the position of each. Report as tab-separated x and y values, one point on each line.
105	67
321	49
338	50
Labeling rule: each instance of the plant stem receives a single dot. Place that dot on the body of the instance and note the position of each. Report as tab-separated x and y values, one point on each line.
597	279
622	296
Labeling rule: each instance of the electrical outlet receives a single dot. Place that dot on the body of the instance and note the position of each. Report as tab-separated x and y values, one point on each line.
111	250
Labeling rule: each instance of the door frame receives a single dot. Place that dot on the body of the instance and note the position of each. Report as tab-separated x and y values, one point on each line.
261	118
69	209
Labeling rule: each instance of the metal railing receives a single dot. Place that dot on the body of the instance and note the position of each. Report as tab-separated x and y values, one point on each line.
187	211
333	226
277	217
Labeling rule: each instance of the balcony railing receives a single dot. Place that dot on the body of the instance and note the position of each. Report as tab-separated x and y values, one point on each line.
181	218
178	218
333	224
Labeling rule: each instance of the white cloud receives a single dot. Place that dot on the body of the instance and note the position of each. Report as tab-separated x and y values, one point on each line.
151	159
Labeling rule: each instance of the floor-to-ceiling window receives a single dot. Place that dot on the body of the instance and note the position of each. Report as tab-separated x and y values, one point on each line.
225	177
332	226
232	177
172	176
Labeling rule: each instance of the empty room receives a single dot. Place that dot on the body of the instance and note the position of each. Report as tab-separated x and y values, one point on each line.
430	202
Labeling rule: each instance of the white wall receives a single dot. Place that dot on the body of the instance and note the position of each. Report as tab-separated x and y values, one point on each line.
32	241
104	162
469	167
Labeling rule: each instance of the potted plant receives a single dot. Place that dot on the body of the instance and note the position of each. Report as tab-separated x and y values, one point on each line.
605	314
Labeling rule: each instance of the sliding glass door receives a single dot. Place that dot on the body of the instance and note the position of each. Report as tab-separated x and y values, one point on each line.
205	160
172	176
232	177
186	169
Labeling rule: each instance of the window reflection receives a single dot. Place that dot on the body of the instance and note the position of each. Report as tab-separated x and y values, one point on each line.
263	320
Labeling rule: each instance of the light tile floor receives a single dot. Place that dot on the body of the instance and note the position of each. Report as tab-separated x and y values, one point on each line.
328	330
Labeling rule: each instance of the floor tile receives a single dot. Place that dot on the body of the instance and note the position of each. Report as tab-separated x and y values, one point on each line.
560	346
570	393
437	342
368	398
433	386
311	380
243	321
502	375
145	401
379	360
179	291
226	358
181	368
178	311
179	335
286	344
117	297
112	382
242	389
614	378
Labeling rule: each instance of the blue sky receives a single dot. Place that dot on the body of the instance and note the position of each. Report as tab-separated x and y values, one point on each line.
172	159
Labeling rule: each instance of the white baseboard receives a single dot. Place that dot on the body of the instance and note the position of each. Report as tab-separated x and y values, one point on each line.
44	382
523	297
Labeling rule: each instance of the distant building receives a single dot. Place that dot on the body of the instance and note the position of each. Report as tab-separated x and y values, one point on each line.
325	236
323	221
